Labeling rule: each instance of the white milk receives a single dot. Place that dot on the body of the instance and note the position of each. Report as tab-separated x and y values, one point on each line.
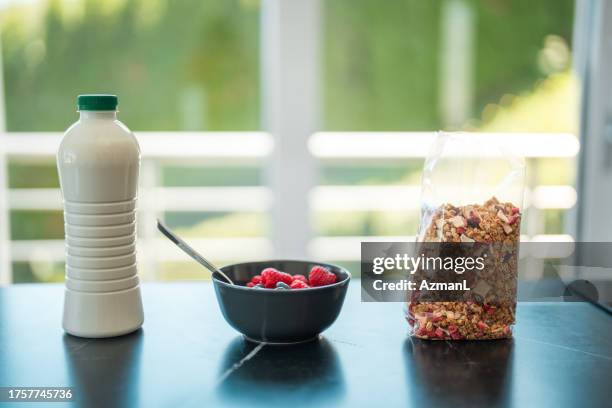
98	163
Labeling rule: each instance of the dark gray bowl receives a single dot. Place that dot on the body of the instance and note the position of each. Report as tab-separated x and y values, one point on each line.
279	316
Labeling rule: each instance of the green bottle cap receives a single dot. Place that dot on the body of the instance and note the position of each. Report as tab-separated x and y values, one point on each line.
97	102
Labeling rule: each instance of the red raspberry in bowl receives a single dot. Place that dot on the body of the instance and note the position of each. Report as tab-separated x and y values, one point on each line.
298	284
320	276
300	278
270	277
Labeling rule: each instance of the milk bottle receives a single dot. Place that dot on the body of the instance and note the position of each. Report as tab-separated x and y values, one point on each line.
98	163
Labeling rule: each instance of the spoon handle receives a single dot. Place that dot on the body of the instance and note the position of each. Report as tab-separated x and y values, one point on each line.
190	251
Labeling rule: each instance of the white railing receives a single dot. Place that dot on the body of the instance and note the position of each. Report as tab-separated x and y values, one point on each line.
219	149
183	146
401	145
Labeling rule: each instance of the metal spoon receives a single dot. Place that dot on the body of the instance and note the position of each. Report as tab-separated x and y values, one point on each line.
190	251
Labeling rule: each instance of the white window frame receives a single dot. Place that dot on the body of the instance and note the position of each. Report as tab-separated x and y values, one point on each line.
593	62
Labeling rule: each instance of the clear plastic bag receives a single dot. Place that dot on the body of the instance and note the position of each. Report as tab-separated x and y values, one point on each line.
472	195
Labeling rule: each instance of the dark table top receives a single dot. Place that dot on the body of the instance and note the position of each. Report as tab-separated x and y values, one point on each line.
186	355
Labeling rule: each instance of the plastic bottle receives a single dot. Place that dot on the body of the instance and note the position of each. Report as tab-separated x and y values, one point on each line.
98	163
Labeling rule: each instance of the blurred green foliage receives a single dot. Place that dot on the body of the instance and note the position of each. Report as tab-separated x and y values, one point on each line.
189	64
27	224
180	65
381	59
32	175
218	224
185	176
366	223
389	172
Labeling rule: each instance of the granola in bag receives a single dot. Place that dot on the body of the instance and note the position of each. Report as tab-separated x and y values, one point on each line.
489	312
455	216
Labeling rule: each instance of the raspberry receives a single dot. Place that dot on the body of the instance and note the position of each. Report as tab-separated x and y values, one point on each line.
270	276
301	278
482	325
298	284
421	331
320	276
250	284
256	279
